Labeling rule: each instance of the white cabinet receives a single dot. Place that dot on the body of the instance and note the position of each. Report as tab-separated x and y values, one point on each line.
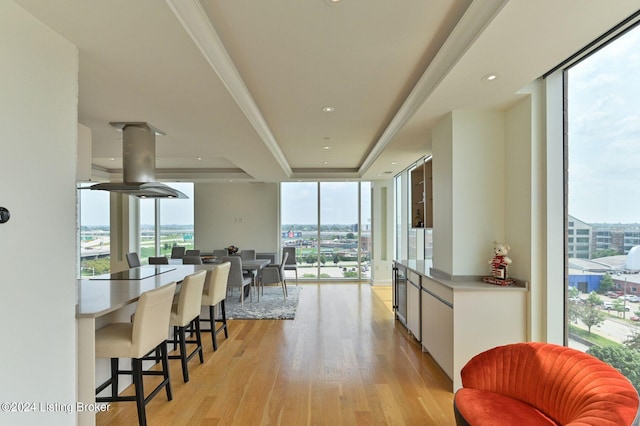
413	305
437	324
462	319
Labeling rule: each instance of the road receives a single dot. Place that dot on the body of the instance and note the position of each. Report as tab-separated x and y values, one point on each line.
614	327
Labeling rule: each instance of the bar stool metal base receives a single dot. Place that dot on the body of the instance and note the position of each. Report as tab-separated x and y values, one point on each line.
137	374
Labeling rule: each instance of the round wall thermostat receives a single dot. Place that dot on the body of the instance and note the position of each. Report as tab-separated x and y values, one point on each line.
4	215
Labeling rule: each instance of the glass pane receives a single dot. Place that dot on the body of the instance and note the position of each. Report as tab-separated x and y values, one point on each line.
147	238
365	230
299	225
399	230
603	151
339	230
176	221
95	242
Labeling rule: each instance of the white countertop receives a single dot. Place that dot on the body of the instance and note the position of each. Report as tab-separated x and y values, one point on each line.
99	297
424	268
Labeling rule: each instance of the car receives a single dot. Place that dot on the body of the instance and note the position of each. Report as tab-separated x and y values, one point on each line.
612	294
635	318
610	306
632	298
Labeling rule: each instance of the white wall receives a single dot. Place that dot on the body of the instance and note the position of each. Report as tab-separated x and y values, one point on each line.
242	214
382	204
443	194
469	190
38	120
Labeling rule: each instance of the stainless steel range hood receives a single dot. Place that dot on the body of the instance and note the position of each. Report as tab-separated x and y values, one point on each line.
139	164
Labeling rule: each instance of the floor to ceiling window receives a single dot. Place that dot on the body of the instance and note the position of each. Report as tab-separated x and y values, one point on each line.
95	242
329	223
603	203
165	223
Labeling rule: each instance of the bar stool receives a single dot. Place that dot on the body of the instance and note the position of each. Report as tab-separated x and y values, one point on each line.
215	293
146	333
185	312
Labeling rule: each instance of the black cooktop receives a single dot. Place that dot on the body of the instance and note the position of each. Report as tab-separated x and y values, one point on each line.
138	273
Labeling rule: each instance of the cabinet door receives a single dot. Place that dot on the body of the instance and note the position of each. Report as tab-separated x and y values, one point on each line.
437	330
413	305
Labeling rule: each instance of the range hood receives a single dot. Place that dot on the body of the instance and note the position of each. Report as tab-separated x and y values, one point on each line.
139	164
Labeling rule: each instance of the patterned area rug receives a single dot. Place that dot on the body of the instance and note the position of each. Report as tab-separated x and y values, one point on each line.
271	305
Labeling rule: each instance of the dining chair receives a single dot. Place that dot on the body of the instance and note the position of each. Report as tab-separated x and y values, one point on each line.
194	252
248	255
215	293
185	312
146	333
158	260
274	274
291	264
177	252
236	277
219	254
133	260
192	260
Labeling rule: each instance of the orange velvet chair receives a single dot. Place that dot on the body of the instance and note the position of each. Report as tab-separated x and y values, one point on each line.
543	384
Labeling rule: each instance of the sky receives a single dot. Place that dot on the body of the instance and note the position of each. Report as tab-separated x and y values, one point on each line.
604	134
339	201
94	208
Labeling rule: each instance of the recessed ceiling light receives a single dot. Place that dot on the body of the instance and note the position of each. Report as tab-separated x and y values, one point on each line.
394	162
112	159
490	77
326	147
199	158
328	109
325	162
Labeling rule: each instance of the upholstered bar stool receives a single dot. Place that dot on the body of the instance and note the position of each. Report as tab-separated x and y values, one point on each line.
184	313
146	333
215	293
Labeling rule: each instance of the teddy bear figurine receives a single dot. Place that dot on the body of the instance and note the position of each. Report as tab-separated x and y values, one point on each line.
500	261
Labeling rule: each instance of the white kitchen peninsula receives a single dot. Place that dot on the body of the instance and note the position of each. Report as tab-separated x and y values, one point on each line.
461	318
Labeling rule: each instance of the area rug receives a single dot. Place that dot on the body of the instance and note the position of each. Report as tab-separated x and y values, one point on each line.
271	305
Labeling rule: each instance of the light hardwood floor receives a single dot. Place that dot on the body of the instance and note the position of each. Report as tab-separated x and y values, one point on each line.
344	360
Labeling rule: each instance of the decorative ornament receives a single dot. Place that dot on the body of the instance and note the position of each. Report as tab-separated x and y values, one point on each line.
499	265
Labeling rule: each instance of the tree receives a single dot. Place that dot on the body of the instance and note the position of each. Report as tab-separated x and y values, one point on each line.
624	359
633	341
604	253
574	311
573	292
590	313
350	236
619	306
606	284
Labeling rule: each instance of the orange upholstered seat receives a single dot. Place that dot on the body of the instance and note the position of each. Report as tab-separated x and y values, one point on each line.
543	384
